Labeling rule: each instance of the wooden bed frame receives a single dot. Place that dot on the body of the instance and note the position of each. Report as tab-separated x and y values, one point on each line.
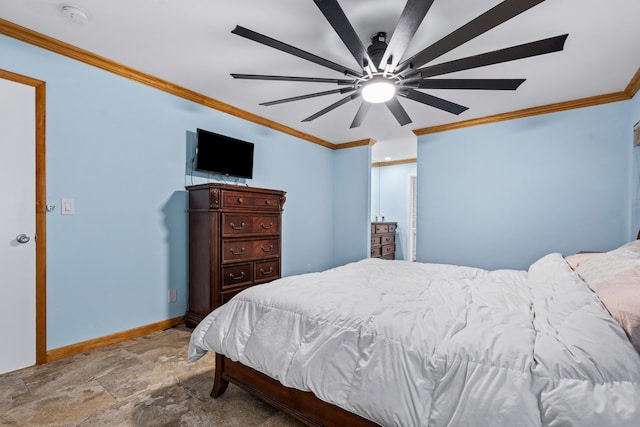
302	405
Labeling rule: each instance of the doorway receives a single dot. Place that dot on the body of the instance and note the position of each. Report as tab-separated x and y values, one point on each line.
413	215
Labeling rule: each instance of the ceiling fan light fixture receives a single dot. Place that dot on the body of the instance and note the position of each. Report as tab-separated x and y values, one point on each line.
378	90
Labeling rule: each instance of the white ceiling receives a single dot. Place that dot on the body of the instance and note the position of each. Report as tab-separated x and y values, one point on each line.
189	43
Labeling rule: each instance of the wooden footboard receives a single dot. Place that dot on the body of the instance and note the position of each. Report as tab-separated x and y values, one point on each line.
302	405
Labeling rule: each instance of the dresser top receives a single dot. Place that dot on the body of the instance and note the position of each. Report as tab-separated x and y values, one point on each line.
234	187
227	197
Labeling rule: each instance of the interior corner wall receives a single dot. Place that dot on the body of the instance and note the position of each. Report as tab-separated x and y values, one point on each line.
123	152
635	168
504	194
390	198
352	199
375	194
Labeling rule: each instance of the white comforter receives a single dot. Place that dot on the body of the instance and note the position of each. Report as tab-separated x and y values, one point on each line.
413	344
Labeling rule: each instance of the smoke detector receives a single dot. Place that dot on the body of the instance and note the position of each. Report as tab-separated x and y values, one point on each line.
75	14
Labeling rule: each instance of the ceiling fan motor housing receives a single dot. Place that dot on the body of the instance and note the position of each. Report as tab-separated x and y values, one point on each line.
377	48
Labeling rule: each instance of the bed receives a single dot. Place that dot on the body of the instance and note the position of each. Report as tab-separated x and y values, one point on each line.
397	343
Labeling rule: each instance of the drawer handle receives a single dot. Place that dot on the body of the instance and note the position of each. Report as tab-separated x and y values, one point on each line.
240	200
267	202
241	276
265	227
266	272
233	251
267	250
237	228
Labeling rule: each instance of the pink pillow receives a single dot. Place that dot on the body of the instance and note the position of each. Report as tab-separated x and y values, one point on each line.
576	260
621	296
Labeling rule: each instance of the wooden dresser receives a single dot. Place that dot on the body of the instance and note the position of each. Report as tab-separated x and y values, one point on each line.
383	240
234	243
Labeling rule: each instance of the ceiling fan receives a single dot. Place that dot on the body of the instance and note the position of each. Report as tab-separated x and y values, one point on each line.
385	75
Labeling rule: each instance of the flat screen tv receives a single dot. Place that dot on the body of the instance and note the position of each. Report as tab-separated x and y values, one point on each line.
222	154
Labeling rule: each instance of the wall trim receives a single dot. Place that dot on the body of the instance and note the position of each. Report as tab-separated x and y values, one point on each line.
634	85
26	35
393	163
358	143
81	347
41	211
528	112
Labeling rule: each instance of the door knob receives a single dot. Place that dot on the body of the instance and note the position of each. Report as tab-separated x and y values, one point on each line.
22	238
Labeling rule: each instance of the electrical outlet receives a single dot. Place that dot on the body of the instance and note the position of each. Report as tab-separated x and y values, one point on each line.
173	295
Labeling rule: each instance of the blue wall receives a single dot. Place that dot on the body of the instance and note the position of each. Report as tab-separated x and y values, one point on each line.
502	195
390	197
123	151
352	233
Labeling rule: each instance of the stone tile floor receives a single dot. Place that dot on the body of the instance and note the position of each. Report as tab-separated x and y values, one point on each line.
145	381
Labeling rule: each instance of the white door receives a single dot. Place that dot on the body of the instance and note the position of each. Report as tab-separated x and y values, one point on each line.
17	226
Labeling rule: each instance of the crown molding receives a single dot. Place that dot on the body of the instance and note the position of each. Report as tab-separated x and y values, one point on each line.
358	143
45	42
528	112
26	35
634	85
393	163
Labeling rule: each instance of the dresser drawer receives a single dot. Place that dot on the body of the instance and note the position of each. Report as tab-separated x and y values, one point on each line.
376	252
392	228
257	201
237	275
388	249
226	296
388	239
241	250
266	271
375	241
238	225
382	228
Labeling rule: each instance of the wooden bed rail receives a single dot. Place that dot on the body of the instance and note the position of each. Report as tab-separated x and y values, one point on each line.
302	405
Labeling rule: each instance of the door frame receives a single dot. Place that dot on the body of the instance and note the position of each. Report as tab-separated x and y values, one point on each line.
41	210
411	208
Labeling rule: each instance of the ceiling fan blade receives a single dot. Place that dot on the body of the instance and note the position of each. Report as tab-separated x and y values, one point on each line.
340	23
540	47
398	111
291	78
311	95
260	38
482	84
410	19
332	106
483	23
360	115
434	101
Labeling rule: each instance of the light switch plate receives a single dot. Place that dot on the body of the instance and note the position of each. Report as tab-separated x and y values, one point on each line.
67	207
